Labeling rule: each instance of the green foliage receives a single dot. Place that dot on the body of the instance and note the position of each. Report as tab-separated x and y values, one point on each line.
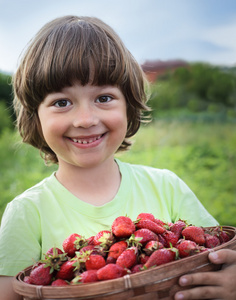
6	95
5	88
21	167
198	87
5	118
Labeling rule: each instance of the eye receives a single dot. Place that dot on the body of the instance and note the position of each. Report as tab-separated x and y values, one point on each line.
62	103
104	99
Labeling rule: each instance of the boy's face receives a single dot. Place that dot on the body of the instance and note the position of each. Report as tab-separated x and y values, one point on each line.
84	125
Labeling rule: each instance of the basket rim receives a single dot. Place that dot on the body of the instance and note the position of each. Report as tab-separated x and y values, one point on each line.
113	286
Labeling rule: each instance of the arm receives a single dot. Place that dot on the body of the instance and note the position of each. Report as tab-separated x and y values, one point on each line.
212	285
6	288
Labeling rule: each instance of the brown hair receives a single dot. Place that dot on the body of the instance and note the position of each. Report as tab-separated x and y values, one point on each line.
61	53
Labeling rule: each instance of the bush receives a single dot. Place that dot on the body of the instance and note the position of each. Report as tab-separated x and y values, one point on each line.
5	118
196	105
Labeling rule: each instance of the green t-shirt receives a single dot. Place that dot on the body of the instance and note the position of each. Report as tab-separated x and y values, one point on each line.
44	215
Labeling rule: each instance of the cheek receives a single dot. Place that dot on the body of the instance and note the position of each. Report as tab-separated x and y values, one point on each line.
119	119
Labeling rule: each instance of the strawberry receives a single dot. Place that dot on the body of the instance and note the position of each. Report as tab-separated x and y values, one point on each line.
54	258
211	241
177	227
137	268
73	243
223	237
104	239
91	248
128	258
111	271
145	235
95	262
123	227
59	282
66	271
195	234
115	250
27	279
160	257
187	248
148	224
162	240
145	216
54	251
40	275
86	277
221	234
143	258
160	222
90	240
171	238
151	246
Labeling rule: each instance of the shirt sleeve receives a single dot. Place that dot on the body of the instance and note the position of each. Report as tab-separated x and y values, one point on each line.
186	206
19	237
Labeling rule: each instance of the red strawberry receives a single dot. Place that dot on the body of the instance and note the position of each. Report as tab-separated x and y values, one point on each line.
54	258
73	243
95	262
223	237
211	241
160	222
123	227
143	258
128	258
111	271
162	240
40	275
220	233
115	250
151	246
159	257
91	248
86	277
59	282
27	279
66	271
145	235
171	238
195	234
148	216
104	238
90	240
177	227
137	268
187	248
148	224
54	251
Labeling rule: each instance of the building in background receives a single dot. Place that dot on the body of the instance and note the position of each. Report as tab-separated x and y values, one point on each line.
155	68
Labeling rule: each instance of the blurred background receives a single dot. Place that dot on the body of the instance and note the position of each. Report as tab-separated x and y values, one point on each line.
187	48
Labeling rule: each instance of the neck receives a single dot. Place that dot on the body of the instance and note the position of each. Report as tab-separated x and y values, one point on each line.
96	185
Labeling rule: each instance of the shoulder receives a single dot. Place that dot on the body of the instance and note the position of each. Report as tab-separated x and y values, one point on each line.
147	172
32	196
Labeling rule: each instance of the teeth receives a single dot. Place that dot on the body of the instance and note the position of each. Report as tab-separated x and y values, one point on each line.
86	141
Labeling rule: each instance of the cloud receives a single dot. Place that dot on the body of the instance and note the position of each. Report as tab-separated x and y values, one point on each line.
151	29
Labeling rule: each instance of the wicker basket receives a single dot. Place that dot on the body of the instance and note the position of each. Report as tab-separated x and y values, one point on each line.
156	283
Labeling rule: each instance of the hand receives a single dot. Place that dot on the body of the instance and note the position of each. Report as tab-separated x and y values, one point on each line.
212	285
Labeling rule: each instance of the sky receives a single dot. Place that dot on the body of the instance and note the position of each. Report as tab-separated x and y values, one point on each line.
191	30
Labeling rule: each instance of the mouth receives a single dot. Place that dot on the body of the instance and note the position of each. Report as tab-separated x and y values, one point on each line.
88	140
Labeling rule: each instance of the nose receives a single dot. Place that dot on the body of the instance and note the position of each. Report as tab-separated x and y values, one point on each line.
85	116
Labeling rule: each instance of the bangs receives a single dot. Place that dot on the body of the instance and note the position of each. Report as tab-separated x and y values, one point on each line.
79	51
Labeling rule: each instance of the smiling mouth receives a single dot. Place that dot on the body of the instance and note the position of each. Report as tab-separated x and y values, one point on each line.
87	140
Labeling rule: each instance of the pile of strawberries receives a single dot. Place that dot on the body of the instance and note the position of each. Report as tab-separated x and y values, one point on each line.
129	247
